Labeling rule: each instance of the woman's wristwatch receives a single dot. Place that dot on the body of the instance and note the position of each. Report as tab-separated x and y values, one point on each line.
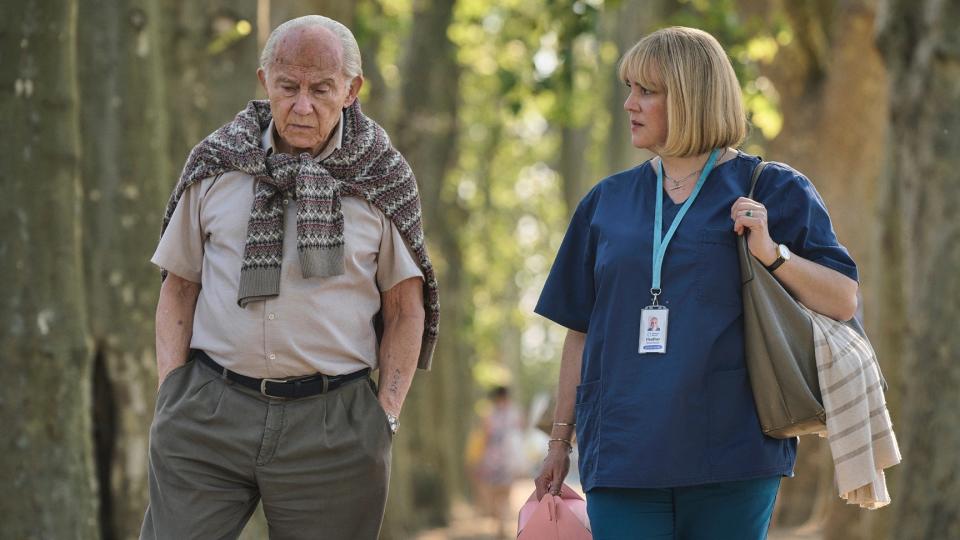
394	423
783	255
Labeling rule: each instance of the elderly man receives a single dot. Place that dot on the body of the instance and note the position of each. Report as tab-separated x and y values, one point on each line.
295	264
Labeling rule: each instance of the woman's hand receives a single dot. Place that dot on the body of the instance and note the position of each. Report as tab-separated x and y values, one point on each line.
555	468
818	287
748	214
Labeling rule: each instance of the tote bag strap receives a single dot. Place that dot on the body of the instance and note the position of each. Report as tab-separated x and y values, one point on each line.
756	176
746	270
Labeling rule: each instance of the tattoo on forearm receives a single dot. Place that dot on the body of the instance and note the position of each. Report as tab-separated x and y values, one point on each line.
395	382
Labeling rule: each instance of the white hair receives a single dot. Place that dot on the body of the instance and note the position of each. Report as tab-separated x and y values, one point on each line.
351	51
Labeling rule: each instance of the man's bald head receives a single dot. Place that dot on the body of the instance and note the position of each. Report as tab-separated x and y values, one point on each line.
310	70
314	39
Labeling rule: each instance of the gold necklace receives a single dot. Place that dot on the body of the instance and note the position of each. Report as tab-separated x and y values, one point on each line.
679	183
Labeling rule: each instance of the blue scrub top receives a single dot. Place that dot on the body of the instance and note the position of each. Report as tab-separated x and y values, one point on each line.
686	417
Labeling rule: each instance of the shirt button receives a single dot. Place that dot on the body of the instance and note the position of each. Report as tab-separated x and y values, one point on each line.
272	316
272	356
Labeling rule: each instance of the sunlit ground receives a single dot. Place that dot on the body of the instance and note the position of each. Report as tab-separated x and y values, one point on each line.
466	524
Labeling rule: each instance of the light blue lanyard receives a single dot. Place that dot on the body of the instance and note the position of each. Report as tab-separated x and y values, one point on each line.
660	244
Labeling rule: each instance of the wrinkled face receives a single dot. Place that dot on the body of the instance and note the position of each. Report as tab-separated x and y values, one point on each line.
307	89
647	109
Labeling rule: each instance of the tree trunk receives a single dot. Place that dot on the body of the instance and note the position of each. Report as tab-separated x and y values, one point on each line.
834	124
627	24
47	465
571	167
922	51
210	66
574	128
428	453
126	180
367	28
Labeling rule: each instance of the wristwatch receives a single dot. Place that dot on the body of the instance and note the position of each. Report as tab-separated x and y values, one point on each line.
394	423
783	255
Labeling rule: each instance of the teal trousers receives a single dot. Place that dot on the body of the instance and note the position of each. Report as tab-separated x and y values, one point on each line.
723	511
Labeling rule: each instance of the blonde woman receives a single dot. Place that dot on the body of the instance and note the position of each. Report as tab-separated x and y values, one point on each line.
670	445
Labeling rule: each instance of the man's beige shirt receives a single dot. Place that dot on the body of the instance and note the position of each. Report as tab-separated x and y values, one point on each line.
314	325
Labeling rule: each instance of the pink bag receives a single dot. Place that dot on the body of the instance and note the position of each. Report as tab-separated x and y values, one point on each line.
561	517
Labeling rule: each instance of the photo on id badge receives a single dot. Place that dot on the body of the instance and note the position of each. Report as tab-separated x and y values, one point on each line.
653	330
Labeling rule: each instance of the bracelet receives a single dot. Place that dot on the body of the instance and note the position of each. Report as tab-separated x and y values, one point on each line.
564	441
564	424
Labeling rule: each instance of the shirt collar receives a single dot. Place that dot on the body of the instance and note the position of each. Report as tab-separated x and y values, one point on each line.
268	143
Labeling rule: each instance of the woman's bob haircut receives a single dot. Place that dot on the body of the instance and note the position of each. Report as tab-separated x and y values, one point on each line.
704	104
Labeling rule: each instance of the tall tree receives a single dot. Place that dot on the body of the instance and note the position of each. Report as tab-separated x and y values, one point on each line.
829	79
126	174
573	114
368	28
210	65
427	457
625	26
922	51
47	464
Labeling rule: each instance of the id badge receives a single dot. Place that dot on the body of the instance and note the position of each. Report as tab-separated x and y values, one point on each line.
653	329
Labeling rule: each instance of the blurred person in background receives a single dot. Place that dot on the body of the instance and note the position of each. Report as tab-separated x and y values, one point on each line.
498	458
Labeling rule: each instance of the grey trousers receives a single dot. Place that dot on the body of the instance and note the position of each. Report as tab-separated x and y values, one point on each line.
320	464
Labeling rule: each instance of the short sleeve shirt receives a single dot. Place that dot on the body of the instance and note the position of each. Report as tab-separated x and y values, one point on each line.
685	417
314	325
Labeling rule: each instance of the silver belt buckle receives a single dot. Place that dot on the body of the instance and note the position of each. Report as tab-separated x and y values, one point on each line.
263	386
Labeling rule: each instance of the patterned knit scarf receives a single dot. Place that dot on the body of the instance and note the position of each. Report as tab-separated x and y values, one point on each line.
366	166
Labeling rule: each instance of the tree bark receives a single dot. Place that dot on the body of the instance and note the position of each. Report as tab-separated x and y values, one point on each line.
47	465
831	83
126	178
574	128
210	66
922	50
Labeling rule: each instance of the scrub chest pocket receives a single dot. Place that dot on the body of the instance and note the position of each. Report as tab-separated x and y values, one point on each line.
718	268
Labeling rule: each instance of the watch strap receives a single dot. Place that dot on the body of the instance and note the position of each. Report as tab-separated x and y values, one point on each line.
776	264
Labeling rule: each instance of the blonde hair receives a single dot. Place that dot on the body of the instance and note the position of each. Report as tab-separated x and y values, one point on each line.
704	103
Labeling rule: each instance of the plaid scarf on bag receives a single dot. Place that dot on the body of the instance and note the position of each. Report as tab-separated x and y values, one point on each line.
366	166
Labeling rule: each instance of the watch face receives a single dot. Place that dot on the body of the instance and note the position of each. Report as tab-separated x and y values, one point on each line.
784	252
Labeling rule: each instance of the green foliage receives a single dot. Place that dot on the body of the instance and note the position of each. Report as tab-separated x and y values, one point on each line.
513	92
